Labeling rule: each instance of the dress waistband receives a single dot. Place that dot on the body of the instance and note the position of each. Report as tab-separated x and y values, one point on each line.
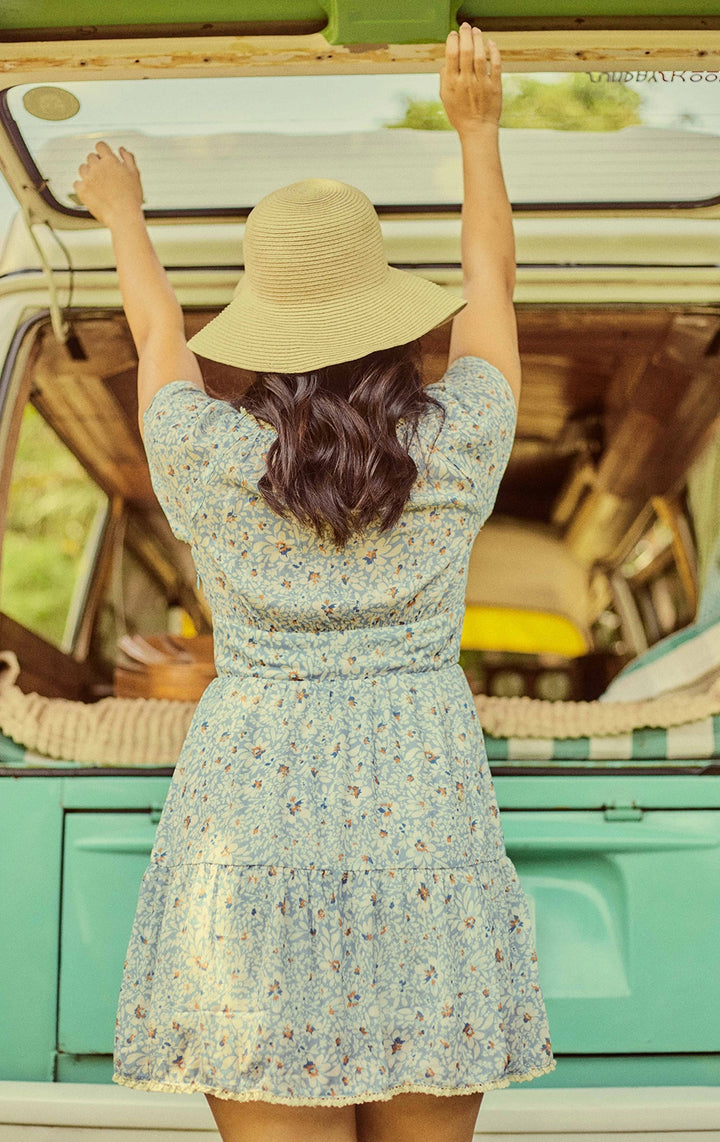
282	654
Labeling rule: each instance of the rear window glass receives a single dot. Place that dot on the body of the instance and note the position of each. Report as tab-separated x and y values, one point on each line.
590	138
55	517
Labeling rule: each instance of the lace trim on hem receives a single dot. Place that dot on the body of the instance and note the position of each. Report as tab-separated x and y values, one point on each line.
333	1100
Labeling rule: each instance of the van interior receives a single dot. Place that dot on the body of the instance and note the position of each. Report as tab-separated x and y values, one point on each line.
618	401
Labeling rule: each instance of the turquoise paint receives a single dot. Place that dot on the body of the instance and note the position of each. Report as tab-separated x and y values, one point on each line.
552	792
132	792
572	748
10	752
106	855
86	1069
618	977
649	743
626	926
589	792
571	1071
627	1070
602	891
31	826
31	830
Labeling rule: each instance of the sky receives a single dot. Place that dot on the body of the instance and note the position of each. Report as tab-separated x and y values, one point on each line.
300	104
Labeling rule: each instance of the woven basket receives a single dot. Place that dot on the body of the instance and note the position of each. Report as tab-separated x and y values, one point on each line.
165	666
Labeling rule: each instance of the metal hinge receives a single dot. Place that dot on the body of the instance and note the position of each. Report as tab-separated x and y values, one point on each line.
624	812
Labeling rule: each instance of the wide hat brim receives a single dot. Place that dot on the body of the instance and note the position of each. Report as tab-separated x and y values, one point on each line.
296	336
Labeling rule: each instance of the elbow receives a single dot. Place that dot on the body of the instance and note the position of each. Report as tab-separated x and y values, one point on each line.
509	277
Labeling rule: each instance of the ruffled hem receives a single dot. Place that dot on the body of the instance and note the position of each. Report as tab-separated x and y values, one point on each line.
244	978
333	1100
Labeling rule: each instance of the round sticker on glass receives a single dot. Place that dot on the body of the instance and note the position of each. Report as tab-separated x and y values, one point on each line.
51	103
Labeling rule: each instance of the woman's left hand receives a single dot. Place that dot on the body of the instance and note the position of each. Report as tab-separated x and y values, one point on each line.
109	185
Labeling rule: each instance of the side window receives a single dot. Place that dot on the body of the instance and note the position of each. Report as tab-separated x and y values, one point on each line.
55	519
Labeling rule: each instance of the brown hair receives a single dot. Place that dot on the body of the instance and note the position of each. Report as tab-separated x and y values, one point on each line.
337	462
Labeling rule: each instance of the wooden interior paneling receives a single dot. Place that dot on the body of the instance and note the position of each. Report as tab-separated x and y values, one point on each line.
45	669
72	396
624	395
655	420
617	401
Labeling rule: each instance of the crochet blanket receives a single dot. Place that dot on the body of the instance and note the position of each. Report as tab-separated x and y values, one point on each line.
151	731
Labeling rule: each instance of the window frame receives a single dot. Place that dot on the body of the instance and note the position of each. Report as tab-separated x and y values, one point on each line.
15	395
11	134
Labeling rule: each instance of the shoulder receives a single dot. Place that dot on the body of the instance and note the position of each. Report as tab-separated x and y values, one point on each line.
183	412
476	397
473	378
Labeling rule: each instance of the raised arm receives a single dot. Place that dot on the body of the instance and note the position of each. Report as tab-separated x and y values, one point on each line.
109	186
471	90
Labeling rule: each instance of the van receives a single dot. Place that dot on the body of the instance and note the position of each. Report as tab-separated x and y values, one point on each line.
592	627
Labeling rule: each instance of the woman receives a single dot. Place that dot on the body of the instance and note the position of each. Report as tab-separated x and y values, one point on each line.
330	933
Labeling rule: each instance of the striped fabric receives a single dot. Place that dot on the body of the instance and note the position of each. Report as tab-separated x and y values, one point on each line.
693	740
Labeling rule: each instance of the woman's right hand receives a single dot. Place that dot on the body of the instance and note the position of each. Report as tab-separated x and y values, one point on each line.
109	185
471	96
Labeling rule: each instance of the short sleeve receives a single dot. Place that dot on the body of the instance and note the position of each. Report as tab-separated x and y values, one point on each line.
184	429
479	428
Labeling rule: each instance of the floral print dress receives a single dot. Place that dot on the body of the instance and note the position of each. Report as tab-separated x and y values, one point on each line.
329	915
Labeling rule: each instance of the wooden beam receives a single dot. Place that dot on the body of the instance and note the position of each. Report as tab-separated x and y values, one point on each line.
654	438
43	668
586	49
669	511
88	418
669	406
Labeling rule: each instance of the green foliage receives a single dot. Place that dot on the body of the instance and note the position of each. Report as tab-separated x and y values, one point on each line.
572	103
52	507
423	115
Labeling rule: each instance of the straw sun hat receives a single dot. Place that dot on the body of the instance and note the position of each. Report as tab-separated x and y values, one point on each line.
317	289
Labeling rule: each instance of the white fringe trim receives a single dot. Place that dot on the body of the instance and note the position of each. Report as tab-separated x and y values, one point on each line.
333	1100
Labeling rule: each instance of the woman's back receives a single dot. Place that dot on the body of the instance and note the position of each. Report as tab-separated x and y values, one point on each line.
262	571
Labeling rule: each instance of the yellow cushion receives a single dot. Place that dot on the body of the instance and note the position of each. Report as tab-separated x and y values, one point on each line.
522	632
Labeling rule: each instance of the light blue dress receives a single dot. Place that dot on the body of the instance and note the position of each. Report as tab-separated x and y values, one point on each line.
329	915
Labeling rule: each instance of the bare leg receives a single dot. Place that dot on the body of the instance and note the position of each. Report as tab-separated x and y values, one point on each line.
272	1122
411	1116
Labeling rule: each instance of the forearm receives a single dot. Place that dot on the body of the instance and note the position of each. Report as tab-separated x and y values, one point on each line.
148	298
487	233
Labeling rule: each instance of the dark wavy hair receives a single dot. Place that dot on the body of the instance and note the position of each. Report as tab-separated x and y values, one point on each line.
337	463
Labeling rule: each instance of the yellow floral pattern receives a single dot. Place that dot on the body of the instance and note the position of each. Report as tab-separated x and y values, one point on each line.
329	914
